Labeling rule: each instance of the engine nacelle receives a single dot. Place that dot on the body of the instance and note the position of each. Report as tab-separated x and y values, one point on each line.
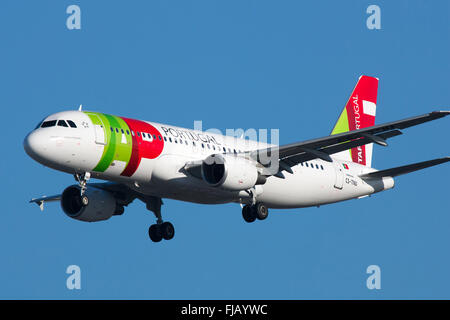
229	172
101	204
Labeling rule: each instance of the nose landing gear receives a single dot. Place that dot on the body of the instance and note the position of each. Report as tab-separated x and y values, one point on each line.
160	230
82	180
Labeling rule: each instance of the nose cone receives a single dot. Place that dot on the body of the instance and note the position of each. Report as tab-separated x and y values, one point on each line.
34	146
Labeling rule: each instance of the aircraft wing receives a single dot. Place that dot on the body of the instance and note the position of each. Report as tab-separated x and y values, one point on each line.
294	153
123	194
40	201
393	172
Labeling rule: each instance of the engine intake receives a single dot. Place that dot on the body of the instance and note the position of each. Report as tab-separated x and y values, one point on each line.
229	172
101	204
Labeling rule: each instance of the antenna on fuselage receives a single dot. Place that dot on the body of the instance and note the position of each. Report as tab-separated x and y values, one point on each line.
80	107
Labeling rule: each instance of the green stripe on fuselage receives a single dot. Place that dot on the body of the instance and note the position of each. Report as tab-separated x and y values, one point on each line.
123	140
114	148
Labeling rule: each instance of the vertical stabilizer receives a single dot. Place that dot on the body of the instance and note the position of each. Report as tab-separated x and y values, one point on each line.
358	113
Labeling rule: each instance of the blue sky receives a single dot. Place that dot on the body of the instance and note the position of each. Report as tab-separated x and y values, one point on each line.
288	65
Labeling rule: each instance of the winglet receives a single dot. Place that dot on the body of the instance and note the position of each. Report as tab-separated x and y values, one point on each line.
40	201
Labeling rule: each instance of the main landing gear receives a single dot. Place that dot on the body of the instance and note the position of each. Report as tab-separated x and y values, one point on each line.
252	212
160	230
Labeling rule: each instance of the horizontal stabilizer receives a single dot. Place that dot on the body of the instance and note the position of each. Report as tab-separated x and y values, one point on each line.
404	169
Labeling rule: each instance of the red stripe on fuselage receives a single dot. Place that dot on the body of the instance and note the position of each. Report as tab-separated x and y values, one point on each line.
142	148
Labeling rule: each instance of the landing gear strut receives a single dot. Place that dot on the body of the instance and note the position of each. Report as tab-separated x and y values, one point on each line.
160	230
82	180
252	212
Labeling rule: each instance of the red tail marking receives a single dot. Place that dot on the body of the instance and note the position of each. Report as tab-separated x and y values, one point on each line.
366	89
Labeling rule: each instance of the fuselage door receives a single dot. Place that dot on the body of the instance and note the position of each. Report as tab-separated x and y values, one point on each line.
100	136
339	182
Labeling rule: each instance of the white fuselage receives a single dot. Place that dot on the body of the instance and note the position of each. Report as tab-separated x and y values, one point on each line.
83	149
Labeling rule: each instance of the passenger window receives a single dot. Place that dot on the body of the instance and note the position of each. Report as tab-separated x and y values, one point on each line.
224	150
170	139
122	131
117	130
321	166
165	139
143	134
306	164
159	137
139	134
128	132
47	124
317	166
71	124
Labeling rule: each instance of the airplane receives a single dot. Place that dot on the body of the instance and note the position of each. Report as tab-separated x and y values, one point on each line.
150	161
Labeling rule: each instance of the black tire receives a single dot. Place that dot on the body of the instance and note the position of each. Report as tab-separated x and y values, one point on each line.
248	213
167	230
155	233
261	211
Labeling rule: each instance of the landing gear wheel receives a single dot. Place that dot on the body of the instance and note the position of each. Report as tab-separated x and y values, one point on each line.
261	211
167	230
155	233
84	200
249	213
160	230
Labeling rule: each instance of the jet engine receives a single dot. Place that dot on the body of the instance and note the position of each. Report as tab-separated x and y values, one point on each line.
94	205
230	172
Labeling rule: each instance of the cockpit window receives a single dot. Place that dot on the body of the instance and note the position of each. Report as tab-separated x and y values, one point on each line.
62	123
71	124
47	124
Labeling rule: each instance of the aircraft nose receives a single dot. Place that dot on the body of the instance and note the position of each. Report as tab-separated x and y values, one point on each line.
34	145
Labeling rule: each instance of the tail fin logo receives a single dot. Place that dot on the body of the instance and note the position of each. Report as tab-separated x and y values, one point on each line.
359	113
